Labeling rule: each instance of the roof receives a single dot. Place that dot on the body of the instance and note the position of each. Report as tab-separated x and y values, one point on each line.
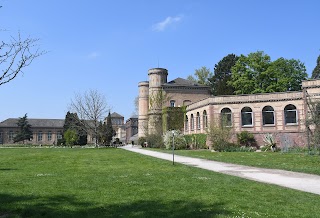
116	115
52	123
180	82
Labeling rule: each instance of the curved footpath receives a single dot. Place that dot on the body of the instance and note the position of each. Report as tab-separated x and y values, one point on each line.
299	181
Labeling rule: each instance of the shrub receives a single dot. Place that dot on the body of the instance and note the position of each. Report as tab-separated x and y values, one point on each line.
141	141
270	143
196	141
220	137
246	139
179	140
154	141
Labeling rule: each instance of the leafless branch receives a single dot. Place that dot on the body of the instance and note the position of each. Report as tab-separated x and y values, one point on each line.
16	55
91	108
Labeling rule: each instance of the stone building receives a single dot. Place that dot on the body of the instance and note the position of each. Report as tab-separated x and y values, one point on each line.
158	93
118	125
281	114
132	130
45	131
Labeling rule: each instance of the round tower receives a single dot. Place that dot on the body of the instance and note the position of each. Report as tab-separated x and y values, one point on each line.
143	108
157	77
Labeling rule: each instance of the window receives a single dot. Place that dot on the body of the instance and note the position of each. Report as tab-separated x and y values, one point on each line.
59	135
11	135
290	114
39	136
198	120
49	136
186	123
172	103
226	117
246	116
268	115
192	122
205	119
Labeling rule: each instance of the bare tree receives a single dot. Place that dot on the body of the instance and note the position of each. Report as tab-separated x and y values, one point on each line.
16	55
91	108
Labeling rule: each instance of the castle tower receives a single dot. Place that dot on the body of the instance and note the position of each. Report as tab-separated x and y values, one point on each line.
143	108
157	77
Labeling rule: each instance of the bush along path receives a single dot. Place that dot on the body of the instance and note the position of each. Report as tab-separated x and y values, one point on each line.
299	181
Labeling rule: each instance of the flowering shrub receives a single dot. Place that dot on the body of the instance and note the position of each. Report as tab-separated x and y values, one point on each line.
179	140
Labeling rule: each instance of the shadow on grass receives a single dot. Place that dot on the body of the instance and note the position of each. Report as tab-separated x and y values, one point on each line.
6	169
66	206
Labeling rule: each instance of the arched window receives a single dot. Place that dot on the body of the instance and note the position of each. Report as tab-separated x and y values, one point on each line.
290	114
246	116
226	117
186	123
192	123
172	103
205	119
198	120
268	115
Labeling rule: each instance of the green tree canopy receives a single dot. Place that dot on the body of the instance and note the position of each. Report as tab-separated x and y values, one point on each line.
201	76
256	73
24	132
222	74
316	70
71	137
72	122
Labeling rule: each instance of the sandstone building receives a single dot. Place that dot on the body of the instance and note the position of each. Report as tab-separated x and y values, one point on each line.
281	114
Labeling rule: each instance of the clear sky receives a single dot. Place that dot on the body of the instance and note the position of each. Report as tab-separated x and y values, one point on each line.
109	45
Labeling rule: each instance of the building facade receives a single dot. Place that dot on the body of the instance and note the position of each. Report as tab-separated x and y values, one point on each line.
283	114
45	131
157	93
132	130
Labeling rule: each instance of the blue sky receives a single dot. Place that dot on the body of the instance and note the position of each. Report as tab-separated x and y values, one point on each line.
110	45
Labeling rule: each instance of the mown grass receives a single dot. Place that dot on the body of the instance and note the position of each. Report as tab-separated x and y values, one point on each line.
297	162
48	182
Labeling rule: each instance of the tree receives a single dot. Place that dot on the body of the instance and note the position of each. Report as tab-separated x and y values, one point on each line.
256	73
222	75
72	122
25	132
316	70
284	75
15	55
70	136
91	108
201	76
109	130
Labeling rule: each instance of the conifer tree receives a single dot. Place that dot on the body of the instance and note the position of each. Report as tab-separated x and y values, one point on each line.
25	132
109	130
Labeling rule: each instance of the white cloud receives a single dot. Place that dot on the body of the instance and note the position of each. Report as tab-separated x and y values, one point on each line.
161	26
93	55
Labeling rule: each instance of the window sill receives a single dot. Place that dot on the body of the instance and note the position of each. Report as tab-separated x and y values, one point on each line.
269	125
247	126
292	124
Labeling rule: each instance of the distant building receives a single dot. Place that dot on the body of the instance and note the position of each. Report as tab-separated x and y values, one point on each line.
118	125
132	130
45	131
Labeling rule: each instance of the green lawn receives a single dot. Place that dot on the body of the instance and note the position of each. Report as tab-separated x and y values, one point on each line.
297	162
50	182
